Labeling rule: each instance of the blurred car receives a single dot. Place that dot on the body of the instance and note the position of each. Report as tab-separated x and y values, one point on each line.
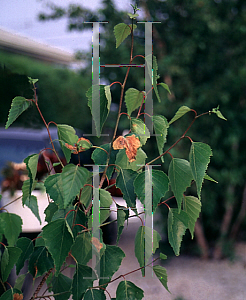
16	144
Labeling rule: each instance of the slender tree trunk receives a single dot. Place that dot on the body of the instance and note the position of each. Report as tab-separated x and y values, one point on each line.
240	217
225	223
201	240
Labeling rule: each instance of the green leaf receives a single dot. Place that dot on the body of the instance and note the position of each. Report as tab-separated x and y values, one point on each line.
138	127
26	190
161	274
19	281
73	179
32	203
54	187
192	206
159	182
218	113
133	99
155	77
207	177
31	80
122	215
40	262
26	246
83	144
99	157
82	248
93	294
104	212
9	258
124	182
58	239
123	162
39	241
11	226
99	115
121	32
49	211
83	279
148	62
165	86
133	16
31	164
66	134
177	225
86	194
18	106
181	111
105	202
199	159
127	290
4	262
80	219
61	285
180	177
160	126
9	294
110	263
62	213
163	256
143	252
108	95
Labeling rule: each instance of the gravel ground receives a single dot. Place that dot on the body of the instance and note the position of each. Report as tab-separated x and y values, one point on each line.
188	278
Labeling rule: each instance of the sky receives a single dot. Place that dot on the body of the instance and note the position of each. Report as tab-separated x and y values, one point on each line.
21	16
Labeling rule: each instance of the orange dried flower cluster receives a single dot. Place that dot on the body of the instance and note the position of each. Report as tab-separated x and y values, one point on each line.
131	143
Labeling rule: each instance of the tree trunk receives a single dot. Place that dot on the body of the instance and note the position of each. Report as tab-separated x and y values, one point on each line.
240	217
201	240
218	253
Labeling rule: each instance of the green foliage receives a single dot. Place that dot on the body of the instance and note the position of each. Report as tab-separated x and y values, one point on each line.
124	182
204	63
180	177
160	126
110	263
121	32
99	115
181	111
18	106
26	246
177	225
159	182
142	251
66	134
128	290
161	274
199	159
73	229
192	206
9	258
133	99
10	225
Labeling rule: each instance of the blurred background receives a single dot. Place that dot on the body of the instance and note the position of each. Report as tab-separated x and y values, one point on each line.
200	47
